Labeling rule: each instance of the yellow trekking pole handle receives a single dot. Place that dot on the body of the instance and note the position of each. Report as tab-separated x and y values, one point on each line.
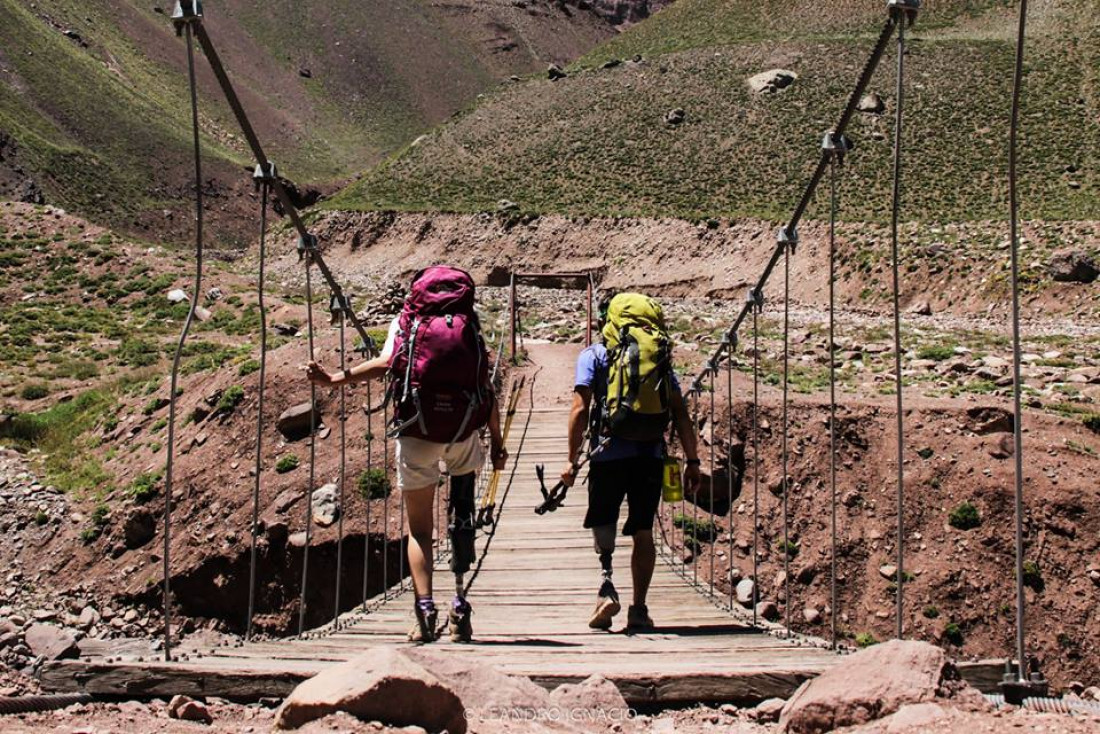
489	498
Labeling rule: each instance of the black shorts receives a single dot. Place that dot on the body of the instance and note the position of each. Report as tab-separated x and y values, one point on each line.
638	480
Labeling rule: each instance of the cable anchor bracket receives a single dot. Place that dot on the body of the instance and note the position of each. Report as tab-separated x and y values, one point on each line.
755	300
264	175
339	307
836	147
788	238
906	10
1016	689
186	13
307	247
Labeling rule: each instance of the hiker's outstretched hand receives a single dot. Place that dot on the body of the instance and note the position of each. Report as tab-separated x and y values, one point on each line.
691	479
569	474
318	376
500	458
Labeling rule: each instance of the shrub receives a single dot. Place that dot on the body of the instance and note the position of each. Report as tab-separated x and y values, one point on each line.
1092	422
865	639
953	634
159	425
248	367
145	487
1033	577
100	515
287	463
34	391
90	534
789	547
374	484
936	352
41	518
137	353
231	398
931	612
702	531
965	517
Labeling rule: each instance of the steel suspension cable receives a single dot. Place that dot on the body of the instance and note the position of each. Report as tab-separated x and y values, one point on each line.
312	446
169	471
895	219
713	441
386	501
1017	383
786	435
755	452
832	400
265	192
367	496
729	467
343	471
695	546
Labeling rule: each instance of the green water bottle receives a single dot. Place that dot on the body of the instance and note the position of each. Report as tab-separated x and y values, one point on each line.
672	486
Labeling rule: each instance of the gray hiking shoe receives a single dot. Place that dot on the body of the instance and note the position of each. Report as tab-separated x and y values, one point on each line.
607	606
461	628
423	630
638	619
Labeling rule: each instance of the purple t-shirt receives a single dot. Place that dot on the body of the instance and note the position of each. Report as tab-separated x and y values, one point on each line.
592	373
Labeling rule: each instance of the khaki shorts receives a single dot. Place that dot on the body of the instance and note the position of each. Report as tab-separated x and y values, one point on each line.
419	461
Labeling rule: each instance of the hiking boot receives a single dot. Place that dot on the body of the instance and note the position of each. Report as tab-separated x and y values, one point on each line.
459	623
423	630
638	619
607	606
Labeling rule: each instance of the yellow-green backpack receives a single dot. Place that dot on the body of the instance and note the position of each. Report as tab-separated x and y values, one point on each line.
639	379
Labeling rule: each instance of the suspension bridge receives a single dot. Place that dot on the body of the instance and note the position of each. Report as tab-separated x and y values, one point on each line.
535	583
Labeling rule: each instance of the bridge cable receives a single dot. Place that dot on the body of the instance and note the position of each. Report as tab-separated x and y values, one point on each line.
695	546
786	434
713	441
755	451
309	244
729	469
832	398
265	192
169	475
1017	386
367	496
898	381
386	502
339	314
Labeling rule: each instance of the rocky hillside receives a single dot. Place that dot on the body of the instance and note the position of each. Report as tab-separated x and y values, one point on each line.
663	121
94	103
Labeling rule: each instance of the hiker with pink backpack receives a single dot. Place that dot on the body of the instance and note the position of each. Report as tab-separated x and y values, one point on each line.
443	396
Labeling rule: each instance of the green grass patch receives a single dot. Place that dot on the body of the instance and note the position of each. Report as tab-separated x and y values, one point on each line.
374	484
145	487
287	463
965	516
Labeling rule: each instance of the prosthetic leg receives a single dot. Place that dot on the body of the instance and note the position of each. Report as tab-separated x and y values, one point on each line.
607	601
462	525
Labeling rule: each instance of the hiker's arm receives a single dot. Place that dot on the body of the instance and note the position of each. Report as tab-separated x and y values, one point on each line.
496	439
372	369
688	440
578	420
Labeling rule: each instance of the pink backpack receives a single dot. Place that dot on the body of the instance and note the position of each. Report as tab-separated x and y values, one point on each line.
440	366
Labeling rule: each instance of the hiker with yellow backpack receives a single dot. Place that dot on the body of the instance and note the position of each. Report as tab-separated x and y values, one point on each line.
625	397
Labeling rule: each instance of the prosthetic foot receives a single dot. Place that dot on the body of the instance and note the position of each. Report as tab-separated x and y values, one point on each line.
461	628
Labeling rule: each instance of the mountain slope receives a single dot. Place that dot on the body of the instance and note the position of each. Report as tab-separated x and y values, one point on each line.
598	142
94	102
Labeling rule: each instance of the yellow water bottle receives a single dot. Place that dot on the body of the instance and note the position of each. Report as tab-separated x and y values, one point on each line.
672	486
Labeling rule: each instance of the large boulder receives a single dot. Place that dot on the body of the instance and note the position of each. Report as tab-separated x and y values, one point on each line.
596	699
772	81
385	685
873	684
326	505
1073	266
295	422
52	643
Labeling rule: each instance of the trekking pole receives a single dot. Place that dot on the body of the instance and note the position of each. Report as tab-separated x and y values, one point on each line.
489	497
